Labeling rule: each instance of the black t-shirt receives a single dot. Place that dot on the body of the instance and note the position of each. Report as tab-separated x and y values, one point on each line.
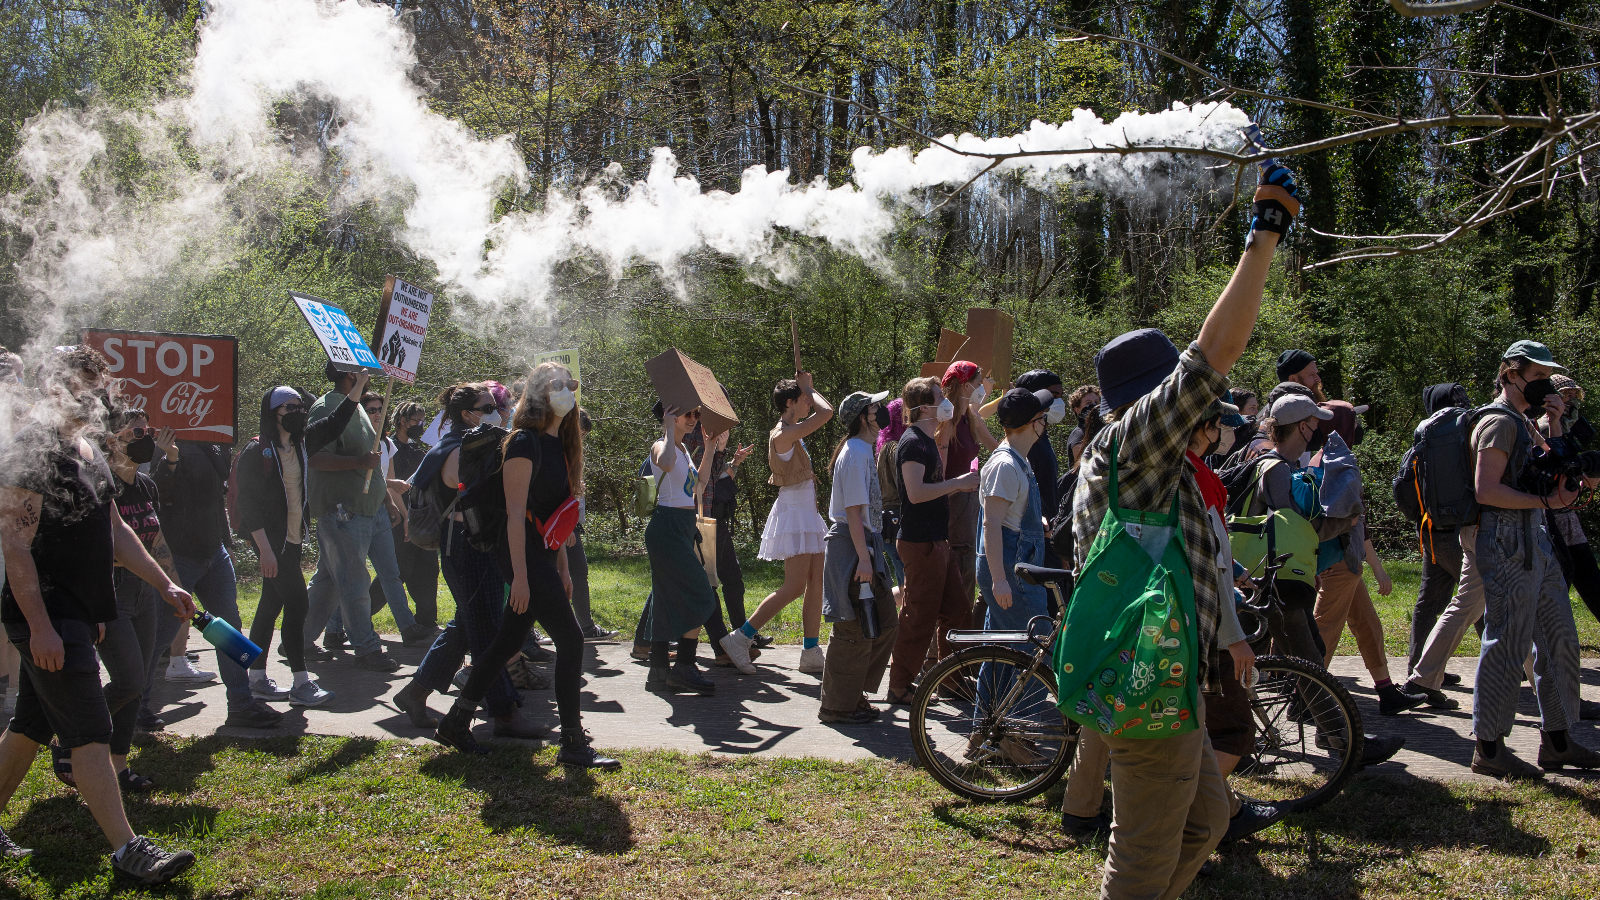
922	522
139	504
72	547
1043	460
546	492
407	457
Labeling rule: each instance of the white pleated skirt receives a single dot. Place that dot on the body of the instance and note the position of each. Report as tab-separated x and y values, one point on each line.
794	526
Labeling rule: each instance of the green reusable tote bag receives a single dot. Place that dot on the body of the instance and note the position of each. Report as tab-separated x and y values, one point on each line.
1127	657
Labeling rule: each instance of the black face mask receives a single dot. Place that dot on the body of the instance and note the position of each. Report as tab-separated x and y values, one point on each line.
143	450
294	423
1361	432
1213	447
880	417
415	431
1534	392
1317	440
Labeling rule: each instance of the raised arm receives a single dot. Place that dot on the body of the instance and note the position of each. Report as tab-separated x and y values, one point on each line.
1227	328
821	414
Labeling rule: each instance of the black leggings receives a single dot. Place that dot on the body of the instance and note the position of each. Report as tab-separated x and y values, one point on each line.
548	605
286	593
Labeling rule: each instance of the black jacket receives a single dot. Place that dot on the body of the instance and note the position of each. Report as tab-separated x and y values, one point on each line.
194	513
263	501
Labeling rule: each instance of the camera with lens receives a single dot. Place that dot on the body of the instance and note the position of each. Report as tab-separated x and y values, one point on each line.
1563	465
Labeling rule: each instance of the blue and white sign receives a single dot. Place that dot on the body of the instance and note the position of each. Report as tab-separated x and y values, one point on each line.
343	343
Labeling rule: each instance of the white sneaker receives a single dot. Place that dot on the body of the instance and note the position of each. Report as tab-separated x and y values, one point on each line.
812	660
309	694
180	669
737	646
267	689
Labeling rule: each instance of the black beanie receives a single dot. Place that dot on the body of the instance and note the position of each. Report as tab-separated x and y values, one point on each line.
1292	362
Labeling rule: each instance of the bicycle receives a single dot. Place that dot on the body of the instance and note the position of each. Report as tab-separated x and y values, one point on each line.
985	725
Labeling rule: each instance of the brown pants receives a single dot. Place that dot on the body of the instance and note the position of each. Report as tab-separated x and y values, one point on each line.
855	664
1086	786
934	604
1342	597
1170	811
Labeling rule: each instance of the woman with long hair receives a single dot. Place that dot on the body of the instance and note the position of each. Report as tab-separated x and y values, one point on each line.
543	478
472	575
794	532
274	512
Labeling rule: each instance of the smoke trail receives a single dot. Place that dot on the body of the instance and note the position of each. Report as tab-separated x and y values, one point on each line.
388	147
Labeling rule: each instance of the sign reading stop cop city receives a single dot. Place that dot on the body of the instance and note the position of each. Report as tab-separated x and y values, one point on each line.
186	382
340	340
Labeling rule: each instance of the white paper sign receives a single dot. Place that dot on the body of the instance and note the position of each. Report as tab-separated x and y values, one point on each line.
345	347
402	326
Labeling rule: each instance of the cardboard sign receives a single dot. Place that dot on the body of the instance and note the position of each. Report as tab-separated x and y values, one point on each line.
568	358
681	382
186	382
402	327
340	340
951	344
989	343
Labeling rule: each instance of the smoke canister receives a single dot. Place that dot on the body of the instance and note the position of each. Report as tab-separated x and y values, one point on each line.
229	642
866	604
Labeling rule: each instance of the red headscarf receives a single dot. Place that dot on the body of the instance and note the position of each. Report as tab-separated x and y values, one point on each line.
960	372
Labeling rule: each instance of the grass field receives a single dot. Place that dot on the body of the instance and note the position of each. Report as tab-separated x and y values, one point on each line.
619	585
354	818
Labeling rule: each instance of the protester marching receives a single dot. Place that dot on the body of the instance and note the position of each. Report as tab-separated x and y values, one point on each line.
1132	554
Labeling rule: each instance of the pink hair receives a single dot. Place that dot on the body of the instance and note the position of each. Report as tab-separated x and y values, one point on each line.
897	424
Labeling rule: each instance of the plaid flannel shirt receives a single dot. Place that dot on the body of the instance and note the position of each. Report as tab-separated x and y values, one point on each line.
1151	438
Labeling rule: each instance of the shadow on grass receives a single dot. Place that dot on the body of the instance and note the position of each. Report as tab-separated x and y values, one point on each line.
352	751
177	767
60	829
555	801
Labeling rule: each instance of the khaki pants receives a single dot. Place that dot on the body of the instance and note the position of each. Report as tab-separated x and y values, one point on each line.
1171	809
1464	609
1342	597
1086	786
855	664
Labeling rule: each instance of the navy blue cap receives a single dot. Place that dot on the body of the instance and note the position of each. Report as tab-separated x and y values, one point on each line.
1132	365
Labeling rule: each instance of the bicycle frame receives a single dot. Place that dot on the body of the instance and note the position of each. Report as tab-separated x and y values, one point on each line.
1042	640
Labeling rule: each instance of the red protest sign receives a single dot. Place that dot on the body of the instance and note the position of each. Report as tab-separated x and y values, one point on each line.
189	382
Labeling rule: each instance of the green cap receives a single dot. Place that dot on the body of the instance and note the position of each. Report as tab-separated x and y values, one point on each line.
1532	350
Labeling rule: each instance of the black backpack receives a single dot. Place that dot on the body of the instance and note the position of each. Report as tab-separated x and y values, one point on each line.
1434	484
481	498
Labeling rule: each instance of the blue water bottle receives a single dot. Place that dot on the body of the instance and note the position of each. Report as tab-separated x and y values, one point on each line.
229	642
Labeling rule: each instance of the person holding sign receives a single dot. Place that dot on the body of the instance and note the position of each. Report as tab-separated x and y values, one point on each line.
681	598
543	476
794	532
347	522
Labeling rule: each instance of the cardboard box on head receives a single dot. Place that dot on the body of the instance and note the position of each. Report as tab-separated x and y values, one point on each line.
683	383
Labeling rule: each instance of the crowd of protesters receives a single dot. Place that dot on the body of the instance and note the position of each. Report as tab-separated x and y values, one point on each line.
114	532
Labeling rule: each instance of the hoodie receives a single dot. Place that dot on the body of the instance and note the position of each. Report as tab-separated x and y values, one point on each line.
1443	396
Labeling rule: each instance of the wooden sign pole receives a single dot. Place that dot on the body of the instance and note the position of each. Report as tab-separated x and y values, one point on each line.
794	336
377	443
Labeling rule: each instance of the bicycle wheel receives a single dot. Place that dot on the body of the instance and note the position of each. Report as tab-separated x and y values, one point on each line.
984	724
1308	735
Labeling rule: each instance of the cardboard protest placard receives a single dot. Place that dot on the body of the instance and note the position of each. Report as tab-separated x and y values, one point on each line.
186	382
402	326
345	347
989	332
568	358
951	344
681	382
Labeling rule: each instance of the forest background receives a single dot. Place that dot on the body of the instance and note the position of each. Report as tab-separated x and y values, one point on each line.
584	84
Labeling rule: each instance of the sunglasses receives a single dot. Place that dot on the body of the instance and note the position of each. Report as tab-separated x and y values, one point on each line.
485	409
691	414
570	384
139	431
292	408
374	410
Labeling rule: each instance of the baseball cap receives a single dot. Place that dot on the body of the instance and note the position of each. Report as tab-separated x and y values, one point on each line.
1038	380
1532	350
852	405
1019	406
1292	408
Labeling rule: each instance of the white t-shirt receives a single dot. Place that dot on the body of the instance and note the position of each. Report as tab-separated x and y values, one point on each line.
676	489
1006	477
855	483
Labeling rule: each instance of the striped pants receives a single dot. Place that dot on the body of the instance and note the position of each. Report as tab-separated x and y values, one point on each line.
1525	604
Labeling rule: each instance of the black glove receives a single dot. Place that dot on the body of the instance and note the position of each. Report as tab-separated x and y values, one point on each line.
1276	203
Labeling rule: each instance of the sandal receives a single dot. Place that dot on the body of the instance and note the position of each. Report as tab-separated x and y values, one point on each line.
134	783
904	699
61	764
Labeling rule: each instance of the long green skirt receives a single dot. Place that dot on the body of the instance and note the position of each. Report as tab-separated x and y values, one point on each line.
681	596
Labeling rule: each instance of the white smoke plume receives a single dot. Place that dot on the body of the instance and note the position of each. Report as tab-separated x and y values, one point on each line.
390	147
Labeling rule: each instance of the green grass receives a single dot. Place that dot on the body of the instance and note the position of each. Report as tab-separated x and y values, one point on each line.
618	586
358	818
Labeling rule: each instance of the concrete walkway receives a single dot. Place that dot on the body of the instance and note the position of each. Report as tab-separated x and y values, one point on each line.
773	714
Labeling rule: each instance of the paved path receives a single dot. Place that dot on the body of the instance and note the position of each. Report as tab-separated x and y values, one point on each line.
775	714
